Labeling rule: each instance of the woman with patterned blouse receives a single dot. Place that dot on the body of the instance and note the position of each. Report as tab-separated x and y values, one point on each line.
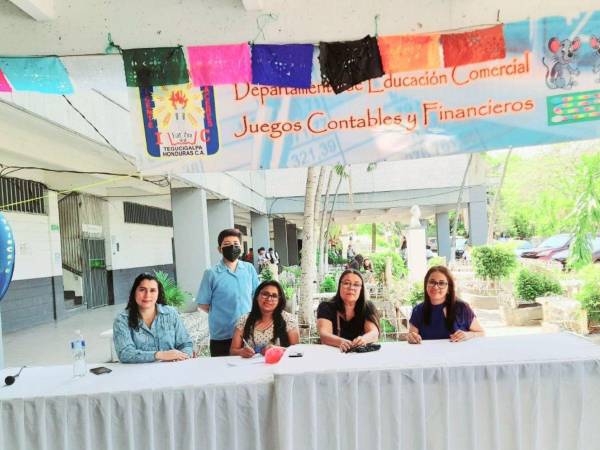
267	325
149	330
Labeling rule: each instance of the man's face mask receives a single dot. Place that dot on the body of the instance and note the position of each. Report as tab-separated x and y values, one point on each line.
231	252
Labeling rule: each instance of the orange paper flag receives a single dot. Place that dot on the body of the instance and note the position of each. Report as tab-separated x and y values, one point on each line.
408	53
473	46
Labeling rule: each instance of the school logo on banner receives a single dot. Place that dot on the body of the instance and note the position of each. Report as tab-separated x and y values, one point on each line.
177	120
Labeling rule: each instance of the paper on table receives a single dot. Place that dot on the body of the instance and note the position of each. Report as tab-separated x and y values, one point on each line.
238	362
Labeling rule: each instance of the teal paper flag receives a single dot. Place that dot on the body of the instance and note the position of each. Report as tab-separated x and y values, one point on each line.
44	74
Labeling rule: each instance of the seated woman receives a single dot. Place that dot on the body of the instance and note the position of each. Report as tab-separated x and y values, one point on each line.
348	320
267	325
149	330
442	315
367	265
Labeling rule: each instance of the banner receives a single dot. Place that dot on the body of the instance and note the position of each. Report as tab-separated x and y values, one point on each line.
545	90
7	255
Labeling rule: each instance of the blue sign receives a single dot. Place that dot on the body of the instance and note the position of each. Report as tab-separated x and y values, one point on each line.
7	255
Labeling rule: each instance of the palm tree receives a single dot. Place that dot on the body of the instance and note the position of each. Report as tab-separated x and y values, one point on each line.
586	214
308	264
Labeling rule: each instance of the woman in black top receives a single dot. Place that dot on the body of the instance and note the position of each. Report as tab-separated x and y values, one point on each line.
348	320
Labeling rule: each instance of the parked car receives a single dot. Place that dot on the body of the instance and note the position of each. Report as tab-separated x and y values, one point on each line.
522	246
432	242
461	243
563	255
549	247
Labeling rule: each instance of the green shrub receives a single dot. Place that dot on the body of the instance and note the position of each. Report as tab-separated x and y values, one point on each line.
493	262
386	326
436	261
398	267
532	284
266	274
589	295
174	295
328	284
415	294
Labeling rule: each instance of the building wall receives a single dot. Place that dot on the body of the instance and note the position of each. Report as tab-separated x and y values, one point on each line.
122	280
134	245
36	294
31	302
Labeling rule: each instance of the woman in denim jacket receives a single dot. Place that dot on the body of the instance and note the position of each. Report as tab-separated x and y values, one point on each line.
149	330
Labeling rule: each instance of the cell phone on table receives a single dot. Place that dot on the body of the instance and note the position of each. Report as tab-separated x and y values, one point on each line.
100	370
296	355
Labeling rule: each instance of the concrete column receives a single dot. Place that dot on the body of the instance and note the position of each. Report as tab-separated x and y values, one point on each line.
415	254
260	234
55	256
442	223
292	244
190	233
478	219
280	241
220	217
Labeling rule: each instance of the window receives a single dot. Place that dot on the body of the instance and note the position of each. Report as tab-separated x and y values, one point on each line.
22	195
147	215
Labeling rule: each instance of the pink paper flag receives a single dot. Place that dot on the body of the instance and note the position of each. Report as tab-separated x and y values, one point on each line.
4	86
220	64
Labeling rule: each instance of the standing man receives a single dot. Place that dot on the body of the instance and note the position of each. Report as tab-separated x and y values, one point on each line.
226	292
350	254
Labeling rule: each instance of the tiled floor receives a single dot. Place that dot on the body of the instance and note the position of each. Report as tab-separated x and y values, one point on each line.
49	344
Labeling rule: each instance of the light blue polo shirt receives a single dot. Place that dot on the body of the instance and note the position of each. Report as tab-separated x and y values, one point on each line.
229	295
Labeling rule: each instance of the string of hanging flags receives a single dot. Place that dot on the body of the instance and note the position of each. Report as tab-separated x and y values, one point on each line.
258	106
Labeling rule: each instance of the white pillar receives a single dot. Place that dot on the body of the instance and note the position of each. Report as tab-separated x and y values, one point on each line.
190	233
260	233
478	219
220	217
443	235
416	254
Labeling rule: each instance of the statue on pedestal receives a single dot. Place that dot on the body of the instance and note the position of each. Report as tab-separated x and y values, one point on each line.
415	216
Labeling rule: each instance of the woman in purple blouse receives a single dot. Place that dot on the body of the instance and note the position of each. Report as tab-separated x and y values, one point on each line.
442	315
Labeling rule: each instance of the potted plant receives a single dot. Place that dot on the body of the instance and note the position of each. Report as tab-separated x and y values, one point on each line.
492	263
589	296
530	285
328	284
174	295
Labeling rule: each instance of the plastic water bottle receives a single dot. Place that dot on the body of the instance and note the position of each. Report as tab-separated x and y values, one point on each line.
78	349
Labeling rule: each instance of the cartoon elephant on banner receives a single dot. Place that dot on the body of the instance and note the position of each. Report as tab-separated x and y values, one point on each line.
7	255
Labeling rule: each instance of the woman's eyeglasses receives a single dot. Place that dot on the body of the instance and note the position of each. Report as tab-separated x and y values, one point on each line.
440	284
267	296
348	285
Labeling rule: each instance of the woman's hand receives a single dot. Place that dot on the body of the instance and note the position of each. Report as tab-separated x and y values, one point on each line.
414	338
459	336
171	355
345	345
247	352
359	341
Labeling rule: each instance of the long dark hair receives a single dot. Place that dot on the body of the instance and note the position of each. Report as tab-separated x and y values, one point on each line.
450	301
132	306
279	327
363	310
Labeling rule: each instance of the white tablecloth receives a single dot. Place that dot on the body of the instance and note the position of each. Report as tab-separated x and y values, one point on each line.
538	392
196	404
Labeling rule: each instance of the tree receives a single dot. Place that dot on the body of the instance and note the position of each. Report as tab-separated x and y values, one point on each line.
340	170
586	214
458	206
492	224
308	247
323	252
